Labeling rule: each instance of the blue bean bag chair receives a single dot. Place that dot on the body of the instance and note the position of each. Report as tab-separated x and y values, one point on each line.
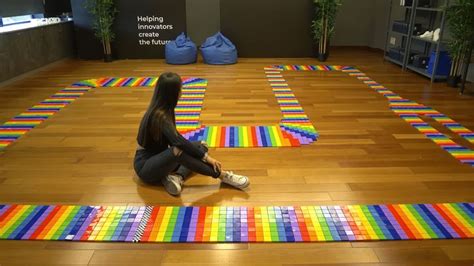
218	50
181	51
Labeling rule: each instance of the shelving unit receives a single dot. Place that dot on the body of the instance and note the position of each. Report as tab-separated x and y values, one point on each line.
425	40
400	63
411	43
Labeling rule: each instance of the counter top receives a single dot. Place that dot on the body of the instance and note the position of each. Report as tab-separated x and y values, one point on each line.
26	26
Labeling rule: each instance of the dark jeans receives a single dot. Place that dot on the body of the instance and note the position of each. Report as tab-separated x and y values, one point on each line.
151	168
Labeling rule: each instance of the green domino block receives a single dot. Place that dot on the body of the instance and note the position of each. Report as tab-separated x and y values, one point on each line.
461	212
372	222
221	236
275	236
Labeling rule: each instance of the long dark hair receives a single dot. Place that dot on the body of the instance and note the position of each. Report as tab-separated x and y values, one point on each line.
164	100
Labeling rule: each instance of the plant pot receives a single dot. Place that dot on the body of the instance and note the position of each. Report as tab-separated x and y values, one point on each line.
323	57
453	81
108	58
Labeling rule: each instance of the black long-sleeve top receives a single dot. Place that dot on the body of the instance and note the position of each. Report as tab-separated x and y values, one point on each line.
166	135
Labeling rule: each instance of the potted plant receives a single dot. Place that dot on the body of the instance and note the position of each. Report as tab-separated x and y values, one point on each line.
460	19
104	14
323	25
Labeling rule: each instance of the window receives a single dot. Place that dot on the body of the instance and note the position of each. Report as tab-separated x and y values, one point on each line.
16	20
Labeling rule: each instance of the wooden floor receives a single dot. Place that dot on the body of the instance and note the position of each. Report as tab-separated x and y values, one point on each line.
365	154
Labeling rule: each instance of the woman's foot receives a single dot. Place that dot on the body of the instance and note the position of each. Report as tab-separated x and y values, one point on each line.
173	184
237	181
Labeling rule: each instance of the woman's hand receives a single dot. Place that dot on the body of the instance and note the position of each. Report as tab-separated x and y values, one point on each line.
214	163
203	143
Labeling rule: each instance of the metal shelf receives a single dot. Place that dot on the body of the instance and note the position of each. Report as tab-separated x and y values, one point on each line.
425	40
433	9
412	41
400	63
399	33
423	72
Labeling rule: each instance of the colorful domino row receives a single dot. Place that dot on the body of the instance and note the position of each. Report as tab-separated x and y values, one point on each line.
294	130
237	224
189	106
309	67
119	82
246	136
14	128
288	134
412	112
295	123
408	110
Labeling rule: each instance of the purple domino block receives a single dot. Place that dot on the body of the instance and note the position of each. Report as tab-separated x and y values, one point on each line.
227	136
135	224
191	235
259	137
85	225
132	232
345	225
307	140
294	225
192	225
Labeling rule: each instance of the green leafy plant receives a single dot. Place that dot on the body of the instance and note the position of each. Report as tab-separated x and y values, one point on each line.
104	15
460	20
324	22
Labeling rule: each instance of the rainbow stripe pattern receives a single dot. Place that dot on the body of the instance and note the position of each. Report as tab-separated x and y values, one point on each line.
122	82
19	125
410	111
294	129
237	224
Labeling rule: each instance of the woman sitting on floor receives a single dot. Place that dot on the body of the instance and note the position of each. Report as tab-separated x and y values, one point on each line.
163	155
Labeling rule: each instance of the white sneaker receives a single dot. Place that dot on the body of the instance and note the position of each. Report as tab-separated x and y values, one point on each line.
238	181
173	184
436	34
427	35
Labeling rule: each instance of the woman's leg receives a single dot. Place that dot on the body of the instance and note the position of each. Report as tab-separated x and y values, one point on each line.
182	170
228	177
196	165
162	164
158	167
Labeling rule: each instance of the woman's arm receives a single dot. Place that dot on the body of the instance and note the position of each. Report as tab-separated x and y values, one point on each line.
177	140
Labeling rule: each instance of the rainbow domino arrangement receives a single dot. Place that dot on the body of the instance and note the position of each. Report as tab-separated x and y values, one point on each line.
237	224
294	129
410	111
